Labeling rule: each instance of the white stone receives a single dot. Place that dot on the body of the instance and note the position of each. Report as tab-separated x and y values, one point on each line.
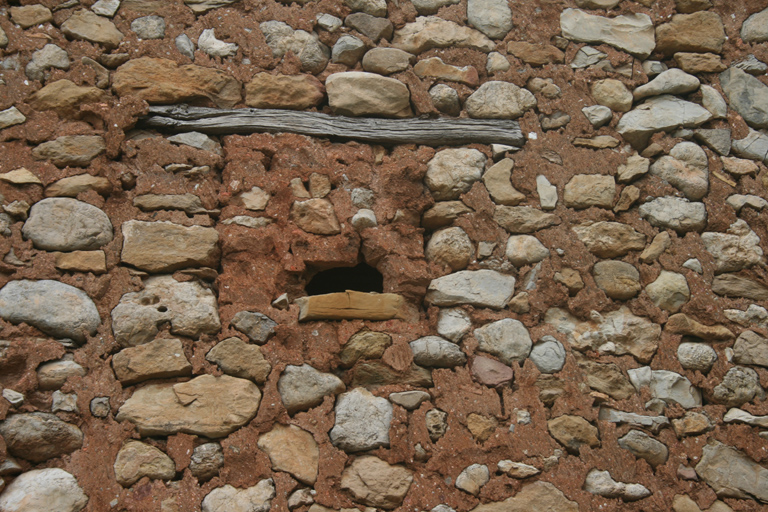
362	421
547	192
453	324
40	490
525	250
451	172
252	499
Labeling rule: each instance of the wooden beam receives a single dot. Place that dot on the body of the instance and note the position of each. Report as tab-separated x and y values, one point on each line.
430	132
351	305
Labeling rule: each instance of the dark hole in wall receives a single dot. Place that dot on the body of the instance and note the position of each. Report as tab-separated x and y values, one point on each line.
361	278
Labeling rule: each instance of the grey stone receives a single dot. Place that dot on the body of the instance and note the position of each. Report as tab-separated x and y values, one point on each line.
100	407
44	489
598	115
473	478
190	308
259	328
499	100
203	6
328	22
453	324
491	17
14	397
547	193
717	139
348	50
755	28
732	474
55	308
303	387
653	423
364	219
431	6
362	421
496	63
739	386
64	402
71	150
40	436
65	224
50	56
409	399
600	483
632	33
746	95
675	213
693	264
587	56
696	356
373	7
197	140
548	355
713	101
754	146
654	67
206	461
660	113
754	316
208	43
433	351
281	38
106	8
149	27
451	172
752	65
672	81
481	288
751	348
251	499
739	201
644	446
737	249
371	27
666	385
739	416
185	46
10	117
445	99
508	339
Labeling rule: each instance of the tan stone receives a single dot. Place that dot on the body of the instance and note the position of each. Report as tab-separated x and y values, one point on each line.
609	239
537	497
240	359
683	503
71	150
165	82
188	203
434	67
165	246
571	279
316	216
452	247
573	432
364	345
607	378
64	97
613	94
536	54
699	62
81	261
497	182
206	405
699	32
282	91
656	248
629	196
74	185
30	15
351	305
586	190
135	460
374	374
292	450
20	176
692	424
158	359
357	93
524	219
481	427
443	214
687	326
374	482
429	32
598	142
619	280
88	26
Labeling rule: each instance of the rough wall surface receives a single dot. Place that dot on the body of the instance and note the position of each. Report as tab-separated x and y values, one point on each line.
577	324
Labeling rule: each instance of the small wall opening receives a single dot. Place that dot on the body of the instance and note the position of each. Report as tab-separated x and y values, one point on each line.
361	278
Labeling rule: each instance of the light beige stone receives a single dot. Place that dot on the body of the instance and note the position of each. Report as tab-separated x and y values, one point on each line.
135	460
293	450
158	359
316	216
165	246
357	93
374	482
81	261
240	359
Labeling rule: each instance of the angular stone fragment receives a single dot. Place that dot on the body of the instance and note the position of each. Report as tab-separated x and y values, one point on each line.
303	387
362	421
632	33
619	280
491	17
371	27
364	345
53	307
699	32
451	172
618	332
88	26
71	150
654	423
536	54
374	374
699	62
39	436
74	185
206	405
135	460
293	450
586	190
473	478
524	219
644	446
165	82
735	250
731	285
282	91
524	250
64	97
443	214
660	113
672	81
190	308
732	474
481	288
490	372
499	100
692	423
600	483
348	50
607	378
158	359
508	339
316	216
666	385
434	351
539	496
375	483
609	239
429	32
754	30
64	224
44	489
573	432
151	27
746	95
203	6
669	291
687	326
751	348
739	386
282	38
165	246
240	359
518	469
251	499
259	328
675	213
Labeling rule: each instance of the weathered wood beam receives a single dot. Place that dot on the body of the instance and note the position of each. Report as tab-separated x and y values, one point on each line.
351	305
430	132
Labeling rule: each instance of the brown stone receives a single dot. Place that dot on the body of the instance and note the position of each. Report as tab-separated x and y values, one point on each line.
573	432
165	247
135	460
88	26
188	203
656	248
376	483
158	359
684	325
316	216
607	378
694	63
536	497
165	82
292	450
74	185
443	214
434	67
351	305
609	239
82	261
282	91
374	374
64	97
699	32
364	345
536	54
692	424
524	219
481	427
619	280
571	279
239	359
30	15
731	285
490	372
629	196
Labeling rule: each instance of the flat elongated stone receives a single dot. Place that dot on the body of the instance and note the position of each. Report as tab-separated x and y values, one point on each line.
40	436
71	150
609	239
482	288
282	91
206	405
436	352
74	185
632	33
157	359
731	285
536	497
64	224
732	474
165	82
88	26
746	95
55	308
698	32
429	32
293	450
660	113
524	219
165	246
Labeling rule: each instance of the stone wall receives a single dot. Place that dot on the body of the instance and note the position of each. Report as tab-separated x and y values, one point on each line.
577	324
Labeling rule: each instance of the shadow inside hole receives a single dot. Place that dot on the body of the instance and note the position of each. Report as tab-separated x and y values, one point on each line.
361	278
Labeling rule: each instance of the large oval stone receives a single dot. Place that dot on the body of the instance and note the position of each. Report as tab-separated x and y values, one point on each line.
66	224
